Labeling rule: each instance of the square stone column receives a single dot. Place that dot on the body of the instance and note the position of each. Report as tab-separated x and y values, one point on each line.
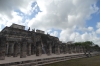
49	49
38	48
23	51
75	49
61	49
32	49
69	49
2	48
10	49
57	49
2	53
29	49
64	49
16	49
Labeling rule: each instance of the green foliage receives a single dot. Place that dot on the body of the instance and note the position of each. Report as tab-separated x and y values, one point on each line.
88	45
85	44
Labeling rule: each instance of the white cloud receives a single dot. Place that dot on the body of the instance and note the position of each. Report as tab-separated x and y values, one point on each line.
90	29
98	31
62	14
7	6
65	15
98	28
8	14
55	33
98	25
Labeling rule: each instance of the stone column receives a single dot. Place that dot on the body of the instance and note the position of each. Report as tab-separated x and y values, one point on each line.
10	49
69	49
23	51
16	49
75	49
57	49
29	49
49	49
6	48
32	49
61	49
2	48
78	49
65	49
38	48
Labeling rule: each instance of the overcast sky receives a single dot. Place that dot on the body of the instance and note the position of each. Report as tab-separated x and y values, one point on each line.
70	20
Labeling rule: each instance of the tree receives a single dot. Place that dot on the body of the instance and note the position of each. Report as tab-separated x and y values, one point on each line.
87	45
96	47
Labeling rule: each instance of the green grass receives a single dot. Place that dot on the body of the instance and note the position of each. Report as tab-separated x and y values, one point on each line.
92	61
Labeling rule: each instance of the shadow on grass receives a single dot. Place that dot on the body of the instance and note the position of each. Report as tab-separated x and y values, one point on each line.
92	61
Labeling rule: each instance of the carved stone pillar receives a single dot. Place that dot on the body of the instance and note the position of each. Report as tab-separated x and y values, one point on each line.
61	49
10	49
29	49
6	48
32	49
64	49
23	48
57	49
38	48
16	49
2	47
74	49
77	49
49	49
69	49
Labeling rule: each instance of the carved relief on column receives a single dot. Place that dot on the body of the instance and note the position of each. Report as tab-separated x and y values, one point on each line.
69	49
38	48
73	48
2	47
64	49
29	49
77	49
32	49
16	49
49	49
10	49
23	48
61	48
57	48
33	44
81	49
6	48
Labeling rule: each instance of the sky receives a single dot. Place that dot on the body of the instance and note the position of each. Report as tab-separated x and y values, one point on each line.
70	20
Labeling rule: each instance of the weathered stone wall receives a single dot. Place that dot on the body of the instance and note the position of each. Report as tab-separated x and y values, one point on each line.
24	43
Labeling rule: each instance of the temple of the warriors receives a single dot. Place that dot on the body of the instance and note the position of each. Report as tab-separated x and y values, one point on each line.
16	41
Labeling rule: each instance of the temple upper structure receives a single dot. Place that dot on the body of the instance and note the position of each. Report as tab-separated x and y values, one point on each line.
18	26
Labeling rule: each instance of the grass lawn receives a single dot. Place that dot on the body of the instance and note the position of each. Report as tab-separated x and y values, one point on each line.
92	61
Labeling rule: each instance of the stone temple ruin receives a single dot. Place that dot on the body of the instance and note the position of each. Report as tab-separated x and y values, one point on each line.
16	41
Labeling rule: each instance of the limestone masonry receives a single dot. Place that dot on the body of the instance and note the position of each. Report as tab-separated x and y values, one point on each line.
16	41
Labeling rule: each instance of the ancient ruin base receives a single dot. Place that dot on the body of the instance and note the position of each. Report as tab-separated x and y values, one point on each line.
2	57
42	60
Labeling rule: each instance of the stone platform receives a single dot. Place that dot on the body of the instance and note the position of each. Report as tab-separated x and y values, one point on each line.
33	57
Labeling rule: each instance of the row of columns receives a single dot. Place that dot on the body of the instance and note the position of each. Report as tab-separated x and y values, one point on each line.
26	49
